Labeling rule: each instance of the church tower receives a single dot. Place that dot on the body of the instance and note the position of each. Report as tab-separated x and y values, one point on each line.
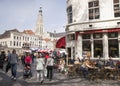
39	30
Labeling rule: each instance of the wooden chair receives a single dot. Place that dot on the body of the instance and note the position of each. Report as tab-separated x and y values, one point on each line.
110	73
71	71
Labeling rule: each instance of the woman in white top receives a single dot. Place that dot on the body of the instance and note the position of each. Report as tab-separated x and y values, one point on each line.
49	65
40	64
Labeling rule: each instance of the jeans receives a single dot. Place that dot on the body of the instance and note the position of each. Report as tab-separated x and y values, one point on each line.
14	69
84	71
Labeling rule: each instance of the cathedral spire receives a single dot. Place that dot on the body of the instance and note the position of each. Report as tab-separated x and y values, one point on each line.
39	30
40	11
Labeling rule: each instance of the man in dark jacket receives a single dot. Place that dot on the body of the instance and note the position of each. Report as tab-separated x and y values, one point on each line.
8	66
2	59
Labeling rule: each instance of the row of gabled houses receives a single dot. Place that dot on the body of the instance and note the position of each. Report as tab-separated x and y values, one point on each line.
27	40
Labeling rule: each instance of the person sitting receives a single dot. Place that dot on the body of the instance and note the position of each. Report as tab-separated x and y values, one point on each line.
61	65
77	61
110	62
85	66
99	63
118	66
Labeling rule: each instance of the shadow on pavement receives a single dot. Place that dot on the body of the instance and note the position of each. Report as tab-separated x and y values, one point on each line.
5	80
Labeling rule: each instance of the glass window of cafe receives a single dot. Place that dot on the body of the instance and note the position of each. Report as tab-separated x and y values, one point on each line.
70	37
98	45
86	45
113	45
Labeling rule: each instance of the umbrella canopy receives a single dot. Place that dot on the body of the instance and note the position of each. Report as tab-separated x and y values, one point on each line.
33	49
45	50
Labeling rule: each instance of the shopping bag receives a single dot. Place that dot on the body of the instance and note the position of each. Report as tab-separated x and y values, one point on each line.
45	72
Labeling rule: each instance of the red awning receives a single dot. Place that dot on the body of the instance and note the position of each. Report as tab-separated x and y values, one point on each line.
100	31
61	43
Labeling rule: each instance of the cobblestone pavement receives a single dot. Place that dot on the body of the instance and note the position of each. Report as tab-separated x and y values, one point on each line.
58	80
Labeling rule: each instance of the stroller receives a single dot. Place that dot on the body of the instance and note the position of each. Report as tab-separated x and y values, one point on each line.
27	71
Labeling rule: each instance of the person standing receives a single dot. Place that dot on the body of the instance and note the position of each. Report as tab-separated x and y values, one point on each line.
50	67
13	62
8	66
28	59
23	58
40	64
32	56
28	62
2	59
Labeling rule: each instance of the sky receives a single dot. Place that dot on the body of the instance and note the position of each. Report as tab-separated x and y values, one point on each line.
22	14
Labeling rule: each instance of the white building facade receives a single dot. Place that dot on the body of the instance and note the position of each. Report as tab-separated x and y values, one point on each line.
19	41
93	28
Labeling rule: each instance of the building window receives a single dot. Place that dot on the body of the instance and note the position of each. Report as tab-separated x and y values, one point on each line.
98	48
116	8
86	45
14	37
112	35
23	37
113	45
113	48
97	35
19	43
86	48
69	14
14	43
71	37
86	36
17	37
10	43
98	44
94	10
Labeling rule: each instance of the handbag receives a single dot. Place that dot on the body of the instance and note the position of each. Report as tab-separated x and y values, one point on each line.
45	72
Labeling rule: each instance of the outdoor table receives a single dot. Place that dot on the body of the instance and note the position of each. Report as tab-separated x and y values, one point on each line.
110	72
110	68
